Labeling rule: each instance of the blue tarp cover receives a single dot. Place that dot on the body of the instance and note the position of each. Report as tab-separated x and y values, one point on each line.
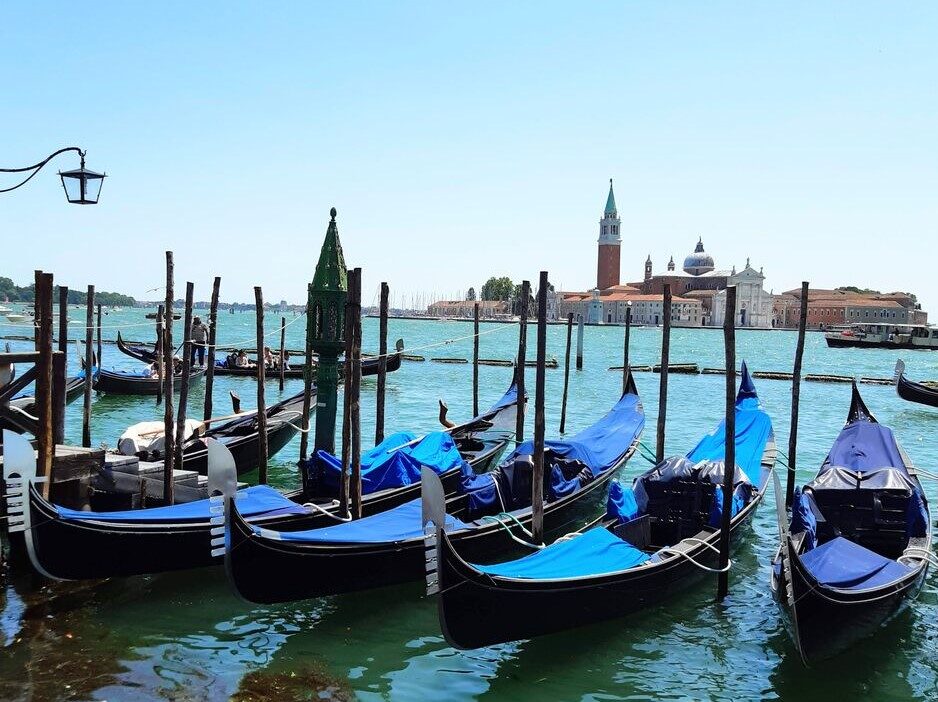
621	504
398	524
383	467
803	519
255	501
601	445
916	516
594	552
716	509
864	446
842	564
753	428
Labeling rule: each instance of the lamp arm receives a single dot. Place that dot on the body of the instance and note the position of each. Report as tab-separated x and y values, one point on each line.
35	168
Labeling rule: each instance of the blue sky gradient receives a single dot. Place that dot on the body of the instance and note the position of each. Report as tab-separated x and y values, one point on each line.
459	141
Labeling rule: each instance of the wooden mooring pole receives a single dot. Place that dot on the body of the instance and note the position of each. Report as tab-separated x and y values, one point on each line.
261	404
59	359
663	380
169	370
345	483
160	355
729	463
796	398
579	343
566	374
522	354
382	363
475	360
283	343
355	380
89	370
537	482
187	350
212	337
98	334
307	383
45	439
63	318
625	349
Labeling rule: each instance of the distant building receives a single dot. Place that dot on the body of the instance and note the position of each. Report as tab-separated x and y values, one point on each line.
608	263
466	308
753	303
827	308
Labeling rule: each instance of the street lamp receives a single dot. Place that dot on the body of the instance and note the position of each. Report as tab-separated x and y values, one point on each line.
82	187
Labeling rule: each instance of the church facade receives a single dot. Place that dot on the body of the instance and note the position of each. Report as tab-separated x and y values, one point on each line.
698	289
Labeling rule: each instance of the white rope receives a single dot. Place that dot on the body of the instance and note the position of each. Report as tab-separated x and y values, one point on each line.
507	528
684	554
918	553
322	510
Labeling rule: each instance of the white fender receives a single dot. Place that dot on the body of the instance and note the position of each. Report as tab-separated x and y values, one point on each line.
19	471
222	485
434	514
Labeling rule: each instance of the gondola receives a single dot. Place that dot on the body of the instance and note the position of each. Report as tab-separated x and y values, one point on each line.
912	391
66	544
370	364
240	435
74	387
657	537
268	566
114	382
857	547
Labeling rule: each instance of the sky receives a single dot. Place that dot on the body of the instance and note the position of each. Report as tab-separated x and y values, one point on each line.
464	140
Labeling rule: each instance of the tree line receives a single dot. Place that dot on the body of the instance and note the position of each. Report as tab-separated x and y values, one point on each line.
10	292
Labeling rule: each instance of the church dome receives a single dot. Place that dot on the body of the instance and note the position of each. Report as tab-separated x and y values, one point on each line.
698	262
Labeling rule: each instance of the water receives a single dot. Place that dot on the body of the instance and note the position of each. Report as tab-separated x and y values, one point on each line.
184	636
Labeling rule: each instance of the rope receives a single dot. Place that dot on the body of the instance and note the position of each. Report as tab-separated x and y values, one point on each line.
507	528
687	556
930	476
921	554
322	510
647	453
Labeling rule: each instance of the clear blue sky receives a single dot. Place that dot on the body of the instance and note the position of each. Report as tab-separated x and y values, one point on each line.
465	140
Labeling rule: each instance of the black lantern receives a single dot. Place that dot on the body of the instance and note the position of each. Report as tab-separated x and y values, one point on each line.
82	187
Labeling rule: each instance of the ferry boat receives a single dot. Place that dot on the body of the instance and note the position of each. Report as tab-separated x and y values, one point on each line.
884	336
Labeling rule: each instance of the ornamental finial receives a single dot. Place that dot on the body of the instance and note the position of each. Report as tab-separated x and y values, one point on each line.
332	213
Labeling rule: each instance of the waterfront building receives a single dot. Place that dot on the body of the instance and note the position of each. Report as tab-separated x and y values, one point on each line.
827	308
488	309
753	303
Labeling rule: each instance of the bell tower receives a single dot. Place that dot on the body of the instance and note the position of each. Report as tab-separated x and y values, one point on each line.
610	244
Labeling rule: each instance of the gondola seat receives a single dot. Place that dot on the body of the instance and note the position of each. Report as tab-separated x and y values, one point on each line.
843	564
874	519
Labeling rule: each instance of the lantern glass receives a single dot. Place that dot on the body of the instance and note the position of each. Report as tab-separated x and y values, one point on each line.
82	187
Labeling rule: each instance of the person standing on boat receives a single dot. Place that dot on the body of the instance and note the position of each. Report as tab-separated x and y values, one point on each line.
199	339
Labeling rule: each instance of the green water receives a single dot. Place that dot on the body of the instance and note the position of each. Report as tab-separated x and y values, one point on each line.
186	637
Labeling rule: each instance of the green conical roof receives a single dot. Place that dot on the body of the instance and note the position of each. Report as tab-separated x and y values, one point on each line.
610	201
331	274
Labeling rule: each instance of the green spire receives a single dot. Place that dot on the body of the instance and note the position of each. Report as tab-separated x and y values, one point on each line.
330	273
610	201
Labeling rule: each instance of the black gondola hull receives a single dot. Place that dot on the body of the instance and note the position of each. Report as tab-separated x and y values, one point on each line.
916	392
268	571
477	610
826	622
118	384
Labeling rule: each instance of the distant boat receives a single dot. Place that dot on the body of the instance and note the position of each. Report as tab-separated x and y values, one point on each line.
16	317
5	310
877	335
